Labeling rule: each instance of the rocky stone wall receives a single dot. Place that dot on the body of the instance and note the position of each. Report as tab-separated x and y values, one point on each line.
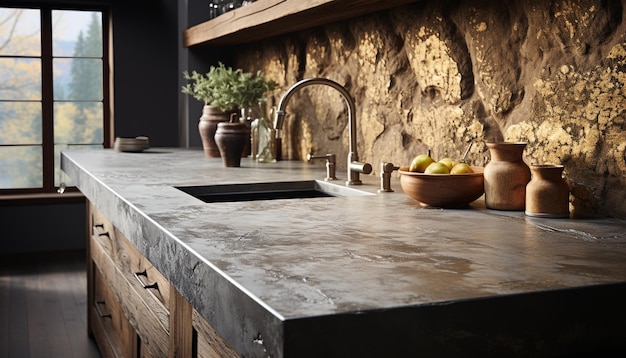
440	75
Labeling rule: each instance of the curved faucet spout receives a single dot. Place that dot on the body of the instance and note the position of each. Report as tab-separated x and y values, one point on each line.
354	167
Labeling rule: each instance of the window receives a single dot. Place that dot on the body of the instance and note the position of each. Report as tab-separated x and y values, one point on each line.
54	84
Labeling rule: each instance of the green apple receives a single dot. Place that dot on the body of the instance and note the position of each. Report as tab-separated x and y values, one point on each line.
448	162
437	168
420	163
461	168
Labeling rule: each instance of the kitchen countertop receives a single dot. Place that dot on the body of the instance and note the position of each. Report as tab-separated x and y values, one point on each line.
362	275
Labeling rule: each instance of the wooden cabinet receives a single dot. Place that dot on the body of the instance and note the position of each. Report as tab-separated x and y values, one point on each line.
267	18
133	310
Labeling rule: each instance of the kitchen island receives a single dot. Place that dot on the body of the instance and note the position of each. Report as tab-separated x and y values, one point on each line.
362	275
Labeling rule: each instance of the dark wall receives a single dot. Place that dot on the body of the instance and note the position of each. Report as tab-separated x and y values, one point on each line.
145	53
199	58
40	228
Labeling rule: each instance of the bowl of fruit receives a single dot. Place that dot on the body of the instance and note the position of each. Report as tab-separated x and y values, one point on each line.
444	183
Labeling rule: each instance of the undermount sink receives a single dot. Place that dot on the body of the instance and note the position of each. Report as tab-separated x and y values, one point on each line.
269	191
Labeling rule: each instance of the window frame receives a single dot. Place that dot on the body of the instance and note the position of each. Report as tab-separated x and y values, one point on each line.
49	192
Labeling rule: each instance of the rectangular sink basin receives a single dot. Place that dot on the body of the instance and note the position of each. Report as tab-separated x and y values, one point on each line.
268	191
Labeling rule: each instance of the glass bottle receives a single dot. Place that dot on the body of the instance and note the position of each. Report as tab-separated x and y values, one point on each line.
265	141
262	137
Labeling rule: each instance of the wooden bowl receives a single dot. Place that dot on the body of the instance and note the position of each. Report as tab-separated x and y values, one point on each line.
443	190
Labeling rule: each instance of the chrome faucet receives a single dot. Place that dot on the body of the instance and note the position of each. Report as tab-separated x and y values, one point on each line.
354	166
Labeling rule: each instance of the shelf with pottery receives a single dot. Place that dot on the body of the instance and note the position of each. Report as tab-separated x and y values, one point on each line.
266	18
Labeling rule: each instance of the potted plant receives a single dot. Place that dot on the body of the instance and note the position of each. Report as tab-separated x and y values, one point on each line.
223	91
213	90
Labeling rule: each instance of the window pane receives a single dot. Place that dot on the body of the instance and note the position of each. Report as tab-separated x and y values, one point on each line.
77	79
20	123
59	175
78	123
76	33
21	167
19	32
75	87
20	78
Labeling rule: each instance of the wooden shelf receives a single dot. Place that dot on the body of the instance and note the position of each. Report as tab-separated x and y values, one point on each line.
267	18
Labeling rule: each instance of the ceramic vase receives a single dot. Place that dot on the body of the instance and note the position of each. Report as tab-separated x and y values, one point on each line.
547	193
231	139
207	127
506	176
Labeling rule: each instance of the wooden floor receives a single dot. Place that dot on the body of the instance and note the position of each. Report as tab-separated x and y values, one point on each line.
43	300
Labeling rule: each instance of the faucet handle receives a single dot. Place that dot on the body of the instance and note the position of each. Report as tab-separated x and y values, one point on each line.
354	168
385	177
330	164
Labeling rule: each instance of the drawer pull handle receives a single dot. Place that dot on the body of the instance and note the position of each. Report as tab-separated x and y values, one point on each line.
145	274
97	306
98	228
154	286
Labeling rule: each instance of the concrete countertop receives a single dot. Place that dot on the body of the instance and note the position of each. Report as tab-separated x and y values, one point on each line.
362	275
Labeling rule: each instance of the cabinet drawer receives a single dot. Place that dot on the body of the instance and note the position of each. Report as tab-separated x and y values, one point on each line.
146	314
130	261
112	330
140	305
101	226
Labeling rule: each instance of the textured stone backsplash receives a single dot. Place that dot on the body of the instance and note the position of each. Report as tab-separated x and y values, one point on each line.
440	75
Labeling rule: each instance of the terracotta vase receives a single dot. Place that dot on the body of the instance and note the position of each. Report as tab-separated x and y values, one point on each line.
547	193
207	126
506	176
231	139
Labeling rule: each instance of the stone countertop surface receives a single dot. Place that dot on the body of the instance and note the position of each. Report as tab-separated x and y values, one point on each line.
360	275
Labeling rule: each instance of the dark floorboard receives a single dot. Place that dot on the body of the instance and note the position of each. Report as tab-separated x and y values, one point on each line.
43	313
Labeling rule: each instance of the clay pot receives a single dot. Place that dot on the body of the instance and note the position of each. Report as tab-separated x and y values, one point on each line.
506	176
547	193
207	126
231	139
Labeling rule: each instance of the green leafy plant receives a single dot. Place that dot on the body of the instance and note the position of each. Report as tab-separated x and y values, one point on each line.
228	89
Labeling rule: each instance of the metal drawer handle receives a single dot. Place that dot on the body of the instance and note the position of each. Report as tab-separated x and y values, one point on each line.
97	306
144	273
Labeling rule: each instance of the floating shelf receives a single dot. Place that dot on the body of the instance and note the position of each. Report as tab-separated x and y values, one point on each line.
266	18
